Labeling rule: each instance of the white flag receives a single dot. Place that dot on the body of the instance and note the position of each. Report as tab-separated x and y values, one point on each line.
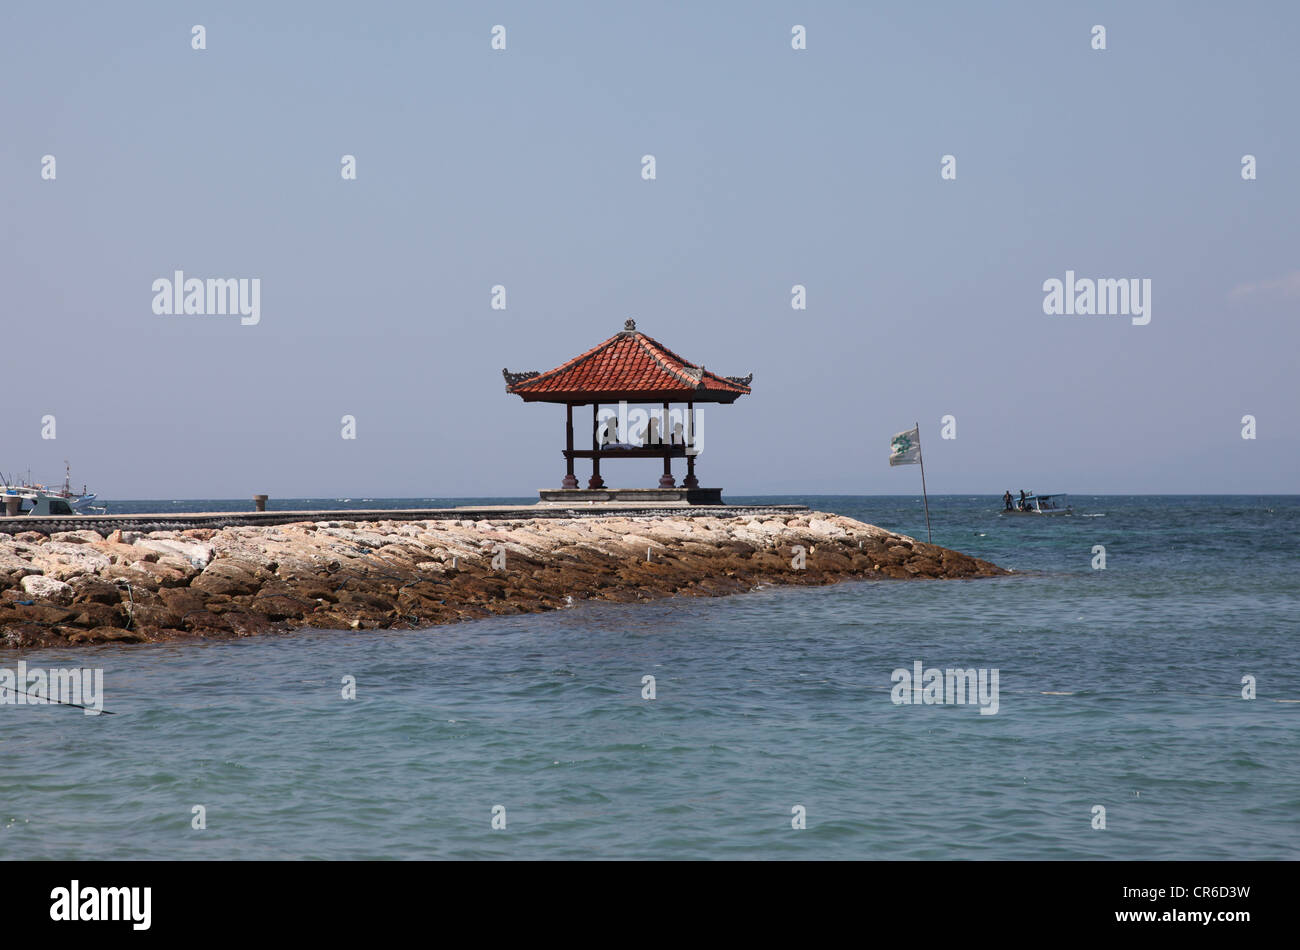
905	448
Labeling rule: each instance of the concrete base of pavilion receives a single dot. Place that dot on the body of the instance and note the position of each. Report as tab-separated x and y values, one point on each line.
630	496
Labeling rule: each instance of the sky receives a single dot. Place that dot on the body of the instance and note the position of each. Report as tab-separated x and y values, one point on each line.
774	167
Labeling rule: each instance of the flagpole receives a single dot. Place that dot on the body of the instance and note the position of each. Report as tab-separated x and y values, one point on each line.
920	454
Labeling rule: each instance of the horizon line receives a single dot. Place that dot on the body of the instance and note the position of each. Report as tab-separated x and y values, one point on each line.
821	494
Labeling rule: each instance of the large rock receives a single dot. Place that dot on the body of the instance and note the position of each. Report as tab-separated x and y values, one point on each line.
108	634
226	576
96	590
130	575
162	574
77	537
50	589
197	554
61	560
12	563
119	553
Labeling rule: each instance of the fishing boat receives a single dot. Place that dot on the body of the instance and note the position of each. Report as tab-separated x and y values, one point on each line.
77	501
35	498
1036	504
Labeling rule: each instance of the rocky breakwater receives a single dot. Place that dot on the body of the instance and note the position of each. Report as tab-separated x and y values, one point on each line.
77	587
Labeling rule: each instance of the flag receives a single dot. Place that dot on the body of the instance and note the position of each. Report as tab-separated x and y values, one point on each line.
905	448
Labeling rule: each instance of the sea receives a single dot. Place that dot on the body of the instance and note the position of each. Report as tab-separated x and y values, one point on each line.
1148	707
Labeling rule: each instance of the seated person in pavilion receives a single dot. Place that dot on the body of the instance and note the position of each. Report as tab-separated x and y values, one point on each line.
609	435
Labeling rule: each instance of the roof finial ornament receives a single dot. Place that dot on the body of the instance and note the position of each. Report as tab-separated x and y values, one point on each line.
629	326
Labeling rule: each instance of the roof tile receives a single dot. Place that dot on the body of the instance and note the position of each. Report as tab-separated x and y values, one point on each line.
626	364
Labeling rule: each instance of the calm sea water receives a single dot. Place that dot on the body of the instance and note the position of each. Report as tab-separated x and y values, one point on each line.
1118	687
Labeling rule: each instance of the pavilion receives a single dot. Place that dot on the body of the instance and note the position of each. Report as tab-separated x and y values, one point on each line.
631	367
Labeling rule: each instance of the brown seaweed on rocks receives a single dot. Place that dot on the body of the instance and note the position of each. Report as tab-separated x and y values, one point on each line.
77	587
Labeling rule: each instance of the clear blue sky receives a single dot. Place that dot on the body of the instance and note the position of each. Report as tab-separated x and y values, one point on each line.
775	167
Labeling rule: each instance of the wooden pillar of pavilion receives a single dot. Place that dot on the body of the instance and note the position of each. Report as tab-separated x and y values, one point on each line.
570	480
595	481
690	481
666	479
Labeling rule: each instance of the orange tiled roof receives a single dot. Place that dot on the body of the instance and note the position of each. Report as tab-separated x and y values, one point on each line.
629	365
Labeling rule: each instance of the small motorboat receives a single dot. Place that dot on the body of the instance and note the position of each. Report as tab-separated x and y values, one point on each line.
1041	505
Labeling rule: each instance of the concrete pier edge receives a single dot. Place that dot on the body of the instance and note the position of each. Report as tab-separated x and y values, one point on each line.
106	524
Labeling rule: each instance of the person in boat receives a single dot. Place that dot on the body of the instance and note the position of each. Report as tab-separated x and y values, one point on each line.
1021	506
1006	499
